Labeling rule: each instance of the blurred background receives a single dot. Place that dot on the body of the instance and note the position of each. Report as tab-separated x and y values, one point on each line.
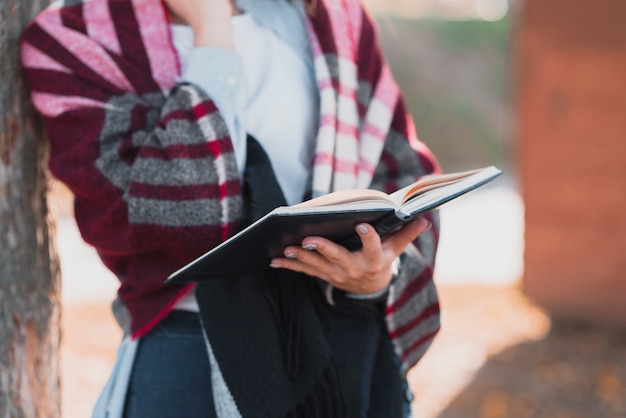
531	268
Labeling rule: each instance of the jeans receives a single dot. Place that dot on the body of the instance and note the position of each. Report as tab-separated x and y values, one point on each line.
171	374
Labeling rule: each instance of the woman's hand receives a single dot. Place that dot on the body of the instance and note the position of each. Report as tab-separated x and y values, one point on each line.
209	20
368	270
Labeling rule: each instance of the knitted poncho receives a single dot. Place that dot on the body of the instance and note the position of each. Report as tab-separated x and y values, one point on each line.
151	164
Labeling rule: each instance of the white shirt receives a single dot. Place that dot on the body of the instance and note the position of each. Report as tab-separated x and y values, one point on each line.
265	88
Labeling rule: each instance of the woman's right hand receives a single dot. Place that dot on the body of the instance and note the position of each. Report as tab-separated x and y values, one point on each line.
209	20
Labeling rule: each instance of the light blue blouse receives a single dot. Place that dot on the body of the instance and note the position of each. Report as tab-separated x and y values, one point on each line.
225	81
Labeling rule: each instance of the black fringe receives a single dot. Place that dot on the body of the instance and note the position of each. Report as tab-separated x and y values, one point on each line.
325	399
284	302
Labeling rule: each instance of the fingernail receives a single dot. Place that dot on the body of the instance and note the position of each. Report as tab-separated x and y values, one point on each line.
291	255
310	247
276	265
363	229
428	225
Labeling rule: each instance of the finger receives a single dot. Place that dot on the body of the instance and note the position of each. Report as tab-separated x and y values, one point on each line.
326	249
372	248
298	266
306	253
305	260
399	240
294	265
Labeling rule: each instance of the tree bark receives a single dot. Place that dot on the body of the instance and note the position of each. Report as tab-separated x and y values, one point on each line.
29	267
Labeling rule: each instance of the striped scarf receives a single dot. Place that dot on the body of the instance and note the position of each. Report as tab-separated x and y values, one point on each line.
151	164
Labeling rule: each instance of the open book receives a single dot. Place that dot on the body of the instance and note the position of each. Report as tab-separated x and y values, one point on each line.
333	216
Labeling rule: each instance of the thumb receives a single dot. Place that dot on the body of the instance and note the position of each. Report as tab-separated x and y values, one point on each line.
399	240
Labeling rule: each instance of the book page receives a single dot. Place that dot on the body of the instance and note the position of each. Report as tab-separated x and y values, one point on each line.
397	198
348	196
449	190
426	183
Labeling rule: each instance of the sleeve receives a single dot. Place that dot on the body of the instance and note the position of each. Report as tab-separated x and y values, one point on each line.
412	307
150	167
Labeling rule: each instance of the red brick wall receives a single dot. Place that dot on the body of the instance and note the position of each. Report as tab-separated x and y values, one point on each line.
571	97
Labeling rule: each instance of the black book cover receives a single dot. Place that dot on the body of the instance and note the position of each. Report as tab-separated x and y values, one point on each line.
252	249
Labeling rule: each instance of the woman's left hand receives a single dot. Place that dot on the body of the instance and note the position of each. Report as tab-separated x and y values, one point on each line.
367	270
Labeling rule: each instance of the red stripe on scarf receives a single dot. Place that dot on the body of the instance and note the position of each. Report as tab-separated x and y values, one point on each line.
431	310
419	343
411	290
130	40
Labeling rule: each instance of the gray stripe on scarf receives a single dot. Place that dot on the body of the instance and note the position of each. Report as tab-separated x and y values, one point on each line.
415	305
332	62
397	146
181	132
364	88
183	213
412	265
176	172
364	92
415	355
178	132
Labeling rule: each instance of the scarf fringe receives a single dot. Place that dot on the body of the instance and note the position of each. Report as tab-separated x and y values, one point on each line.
325	399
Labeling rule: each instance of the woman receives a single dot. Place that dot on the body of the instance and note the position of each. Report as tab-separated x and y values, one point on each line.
160	118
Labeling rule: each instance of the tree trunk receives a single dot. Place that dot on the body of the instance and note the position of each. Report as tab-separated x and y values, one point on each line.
29	268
